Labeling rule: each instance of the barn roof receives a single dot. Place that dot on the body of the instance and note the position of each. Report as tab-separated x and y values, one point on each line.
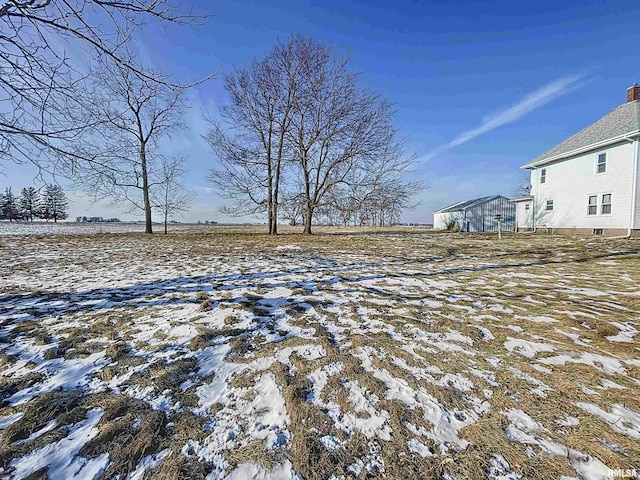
467	204
621	121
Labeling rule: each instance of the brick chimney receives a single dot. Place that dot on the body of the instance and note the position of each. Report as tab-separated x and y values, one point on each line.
633	93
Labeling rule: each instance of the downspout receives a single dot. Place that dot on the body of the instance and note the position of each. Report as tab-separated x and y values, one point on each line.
634	185
534	203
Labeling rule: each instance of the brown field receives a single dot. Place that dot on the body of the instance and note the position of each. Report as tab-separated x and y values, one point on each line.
401	353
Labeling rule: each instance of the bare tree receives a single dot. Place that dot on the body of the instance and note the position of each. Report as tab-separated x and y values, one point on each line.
293	207
301	108
391	199
170	195
342	134
41	87
135	113
249	142
523	189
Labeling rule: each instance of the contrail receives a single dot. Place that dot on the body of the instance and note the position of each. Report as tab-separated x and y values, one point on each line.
529	103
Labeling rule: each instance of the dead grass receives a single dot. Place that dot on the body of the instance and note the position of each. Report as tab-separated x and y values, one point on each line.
435	285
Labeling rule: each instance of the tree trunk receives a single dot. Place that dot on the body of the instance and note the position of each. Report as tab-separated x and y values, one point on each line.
274	217
269	195
145	191
270	211
307	220
166	207
307	193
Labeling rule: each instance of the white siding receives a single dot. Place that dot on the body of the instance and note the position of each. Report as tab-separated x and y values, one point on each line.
440	220
524	215
636	220
569	183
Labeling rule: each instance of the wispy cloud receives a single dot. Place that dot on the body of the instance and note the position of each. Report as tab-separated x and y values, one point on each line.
529	103
205	190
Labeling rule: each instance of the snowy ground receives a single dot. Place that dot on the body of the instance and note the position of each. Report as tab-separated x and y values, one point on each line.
71	228
228	354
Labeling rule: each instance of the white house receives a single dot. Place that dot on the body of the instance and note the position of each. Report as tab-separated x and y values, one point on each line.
590	182
477	215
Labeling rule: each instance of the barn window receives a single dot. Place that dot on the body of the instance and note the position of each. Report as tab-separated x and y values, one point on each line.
543	175
593	205
606	203
602	163
549	205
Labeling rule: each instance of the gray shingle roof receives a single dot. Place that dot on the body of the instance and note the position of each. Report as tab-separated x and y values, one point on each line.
621	121
465	205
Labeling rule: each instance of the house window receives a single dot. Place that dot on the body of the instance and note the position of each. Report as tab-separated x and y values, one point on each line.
602	163
526	206
593	205
606	203
549	206
543	175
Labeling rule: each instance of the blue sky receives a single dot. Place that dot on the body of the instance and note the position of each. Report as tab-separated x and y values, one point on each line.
480	88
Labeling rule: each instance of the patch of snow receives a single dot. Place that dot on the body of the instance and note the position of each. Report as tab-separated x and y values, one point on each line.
47	428
446	423
420	448
536	318
61	458
625	334
255	471
609	365
306	352
149	462
541	387
62	374
319	379
606	383
288	247
499	469
331	443
364	402
527	348
526	430
487	336
10	419
620	419
569	421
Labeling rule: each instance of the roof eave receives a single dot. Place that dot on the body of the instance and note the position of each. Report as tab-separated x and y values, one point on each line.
450	208
578	151
524	198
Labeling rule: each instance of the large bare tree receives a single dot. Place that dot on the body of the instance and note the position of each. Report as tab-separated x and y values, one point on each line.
299	116
134	114
42	101
249	139
341	133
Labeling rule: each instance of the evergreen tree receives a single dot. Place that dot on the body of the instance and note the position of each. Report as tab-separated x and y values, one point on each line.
29	203
54	204
9	206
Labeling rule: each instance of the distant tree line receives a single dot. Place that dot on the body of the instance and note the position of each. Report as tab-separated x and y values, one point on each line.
51	204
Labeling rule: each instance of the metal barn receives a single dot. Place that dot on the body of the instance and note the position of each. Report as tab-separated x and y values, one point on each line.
477	215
